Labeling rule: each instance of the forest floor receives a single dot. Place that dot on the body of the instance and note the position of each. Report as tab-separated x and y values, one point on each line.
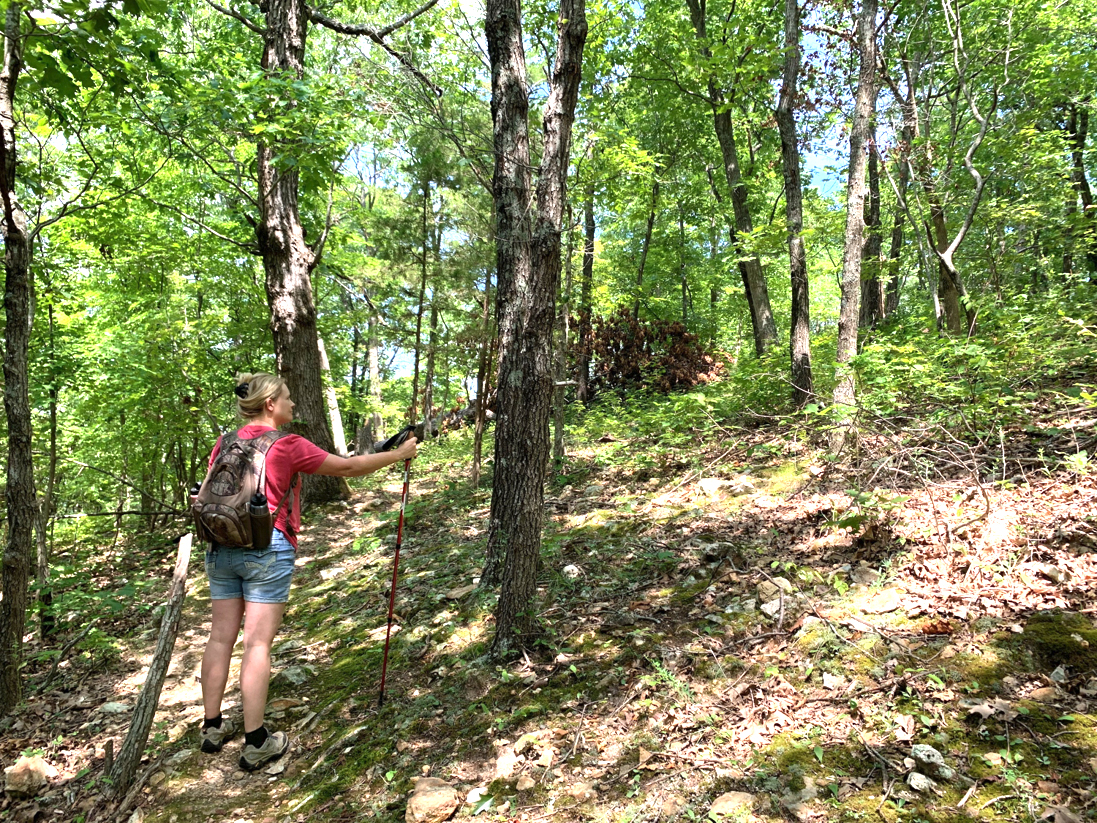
730	618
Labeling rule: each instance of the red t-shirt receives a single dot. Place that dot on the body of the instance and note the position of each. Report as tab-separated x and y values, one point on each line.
288	455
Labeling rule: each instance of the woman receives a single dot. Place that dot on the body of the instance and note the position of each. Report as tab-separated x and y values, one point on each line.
253	586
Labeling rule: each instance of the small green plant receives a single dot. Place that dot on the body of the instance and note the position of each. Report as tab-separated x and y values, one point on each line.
1079	463
664	678
868	510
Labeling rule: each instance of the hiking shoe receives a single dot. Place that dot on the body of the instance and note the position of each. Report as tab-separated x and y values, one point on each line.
255	757
214	739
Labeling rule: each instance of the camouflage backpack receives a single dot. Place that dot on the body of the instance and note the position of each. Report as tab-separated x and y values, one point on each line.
230	507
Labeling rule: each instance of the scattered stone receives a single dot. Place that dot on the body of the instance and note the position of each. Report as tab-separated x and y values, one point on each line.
740	485
460	592
920	783
582	791
783	584
333	572
505	764
431	801
772	608
114	708
733	804
402	746
1060	674
295	675
289	646
239	774
28	776
888	600
767	591
525	783
571	571
1047	694
866	576
593	490
276	768
712	485
283	703
181	757
672	807
833	681
796	802
157	779
932	762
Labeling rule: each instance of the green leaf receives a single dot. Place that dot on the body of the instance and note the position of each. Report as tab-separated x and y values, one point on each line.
483	805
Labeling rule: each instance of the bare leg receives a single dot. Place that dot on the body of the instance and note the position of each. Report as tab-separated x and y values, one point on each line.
218	654
261	622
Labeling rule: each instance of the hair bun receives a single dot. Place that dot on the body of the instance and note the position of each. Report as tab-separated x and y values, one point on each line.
241	391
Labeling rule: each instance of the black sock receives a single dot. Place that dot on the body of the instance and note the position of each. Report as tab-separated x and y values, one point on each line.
212	723
257	738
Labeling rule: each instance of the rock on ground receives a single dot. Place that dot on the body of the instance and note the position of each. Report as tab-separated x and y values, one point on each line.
731	804
28	776
432	801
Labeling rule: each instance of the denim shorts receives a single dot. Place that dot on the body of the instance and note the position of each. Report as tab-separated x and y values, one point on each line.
257	576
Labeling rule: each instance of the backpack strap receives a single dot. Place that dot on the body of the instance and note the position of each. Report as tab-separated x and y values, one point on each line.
289	511
262	446
268	439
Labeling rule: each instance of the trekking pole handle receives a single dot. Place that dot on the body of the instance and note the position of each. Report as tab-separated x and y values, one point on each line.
396	440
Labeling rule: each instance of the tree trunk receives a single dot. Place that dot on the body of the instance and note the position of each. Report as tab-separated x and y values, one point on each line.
872	287
129	757
800	330
586	287
512	200
482	381
287	258
525	376
750	267
375	378
332	402
19	495
682	264
1077	129
646	245
414	412
864	109
562	350
46	618
891	299
432	353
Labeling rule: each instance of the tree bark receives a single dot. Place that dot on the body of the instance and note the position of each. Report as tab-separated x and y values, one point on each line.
287	259
129	757
332	401
375	378
525	378
512	199
563	347
432	353
646	245
872	287
864	109
891	288
750	267
46	618
20	493
800	330
586	287
483	370
1077	131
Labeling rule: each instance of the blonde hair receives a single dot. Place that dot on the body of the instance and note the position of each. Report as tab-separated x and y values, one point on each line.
260	387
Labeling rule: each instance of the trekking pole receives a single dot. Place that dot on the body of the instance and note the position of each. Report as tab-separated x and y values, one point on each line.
393	442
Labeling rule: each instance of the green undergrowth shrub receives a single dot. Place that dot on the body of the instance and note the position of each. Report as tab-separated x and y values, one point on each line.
1025	351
